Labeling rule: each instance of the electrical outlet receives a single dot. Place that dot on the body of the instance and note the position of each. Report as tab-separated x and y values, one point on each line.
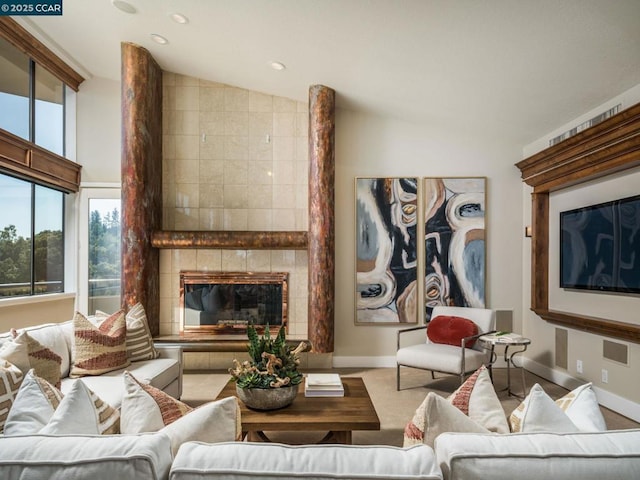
605	376
579	366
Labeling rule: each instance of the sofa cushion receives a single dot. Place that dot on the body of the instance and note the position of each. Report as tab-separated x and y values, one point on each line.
434	416
10	380
586	455
146	408
71	457
33	407
477	399
99	349
109	386
539	413
450	330
582	408
82	412
240	460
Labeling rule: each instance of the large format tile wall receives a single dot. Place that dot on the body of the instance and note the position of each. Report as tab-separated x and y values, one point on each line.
233	159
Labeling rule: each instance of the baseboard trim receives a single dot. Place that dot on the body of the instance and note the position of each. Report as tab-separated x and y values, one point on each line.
607	399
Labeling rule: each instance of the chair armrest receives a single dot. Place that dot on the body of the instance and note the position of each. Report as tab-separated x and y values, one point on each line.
405	330
464	341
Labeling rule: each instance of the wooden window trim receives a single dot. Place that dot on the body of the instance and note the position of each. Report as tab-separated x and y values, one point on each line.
20	38
31	162
609	147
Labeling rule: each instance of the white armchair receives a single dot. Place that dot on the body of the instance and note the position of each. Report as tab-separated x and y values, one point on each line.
444	358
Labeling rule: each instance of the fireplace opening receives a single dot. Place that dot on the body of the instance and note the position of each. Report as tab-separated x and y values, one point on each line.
227	302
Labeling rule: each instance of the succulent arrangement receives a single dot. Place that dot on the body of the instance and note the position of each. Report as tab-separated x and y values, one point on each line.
273	363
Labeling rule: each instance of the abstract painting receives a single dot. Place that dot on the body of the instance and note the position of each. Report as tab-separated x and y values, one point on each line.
454	211
386	254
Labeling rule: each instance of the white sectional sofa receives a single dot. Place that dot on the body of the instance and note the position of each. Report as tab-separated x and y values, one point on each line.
164	372
458	456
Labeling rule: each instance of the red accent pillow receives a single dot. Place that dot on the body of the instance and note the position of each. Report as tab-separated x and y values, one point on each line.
450	330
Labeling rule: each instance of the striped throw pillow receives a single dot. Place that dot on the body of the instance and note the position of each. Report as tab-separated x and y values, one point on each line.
139	340
10	380
99	349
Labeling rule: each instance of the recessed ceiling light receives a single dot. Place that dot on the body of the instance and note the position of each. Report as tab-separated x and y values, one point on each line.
179	18
123	6
159	39
277	66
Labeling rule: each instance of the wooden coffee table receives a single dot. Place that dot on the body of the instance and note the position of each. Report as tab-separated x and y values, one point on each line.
339	416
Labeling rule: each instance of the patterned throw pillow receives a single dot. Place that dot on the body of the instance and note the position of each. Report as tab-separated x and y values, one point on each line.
33	406
477	399
582	408
139	340
539	413
25	352
82	412
435	416
148	409
99	349
10	380
450	330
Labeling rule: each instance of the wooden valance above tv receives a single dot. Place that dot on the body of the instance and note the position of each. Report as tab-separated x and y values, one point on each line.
608	147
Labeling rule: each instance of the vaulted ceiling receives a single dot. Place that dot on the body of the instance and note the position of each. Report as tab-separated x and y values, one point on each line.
503	68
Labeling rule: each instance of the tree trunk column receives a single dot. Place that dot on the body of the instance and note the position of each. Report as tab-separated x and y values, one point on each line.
141	180
321	218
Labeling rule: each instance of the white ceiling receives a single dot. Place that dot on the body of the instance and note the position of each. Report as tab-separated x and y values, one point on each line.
504	68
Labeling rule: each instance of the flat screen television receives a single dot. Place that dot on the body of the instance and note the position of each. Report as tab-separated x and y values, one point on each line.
600	247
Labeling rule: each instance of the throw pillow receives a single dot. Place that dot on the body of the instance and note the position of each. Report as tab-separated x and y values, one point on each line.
10	380
213	422
450	330
148	409
33	407
99	349
139	340
581	406
477	399
82	412
435	416
25	352
539	413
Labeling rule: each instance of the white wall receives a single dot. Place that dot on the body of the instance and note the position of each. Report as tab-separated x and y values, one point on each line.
98	130
369	146
621	393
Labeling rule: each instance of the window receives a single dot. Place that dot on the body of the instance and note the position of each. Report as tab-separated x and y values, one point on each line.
104	255
31	238
32	100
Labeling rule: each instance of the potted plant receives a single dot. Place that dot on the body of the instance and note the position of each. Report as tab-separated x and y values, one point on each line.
270	379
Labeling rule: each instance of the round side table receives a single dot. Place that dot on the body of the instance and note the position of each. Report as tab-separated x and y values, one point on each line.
509	341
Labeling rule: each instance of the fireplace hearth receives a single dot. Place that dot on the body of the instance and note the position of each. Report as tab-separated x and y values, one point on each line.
225	303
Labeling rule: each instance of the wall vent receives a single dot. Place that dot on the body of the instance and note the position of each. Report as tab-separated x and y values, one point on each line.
504	320
562	350
584	125
618	352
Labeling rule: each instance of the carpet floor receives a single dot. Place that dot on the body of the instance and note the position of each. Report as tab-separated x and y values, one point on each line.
394	408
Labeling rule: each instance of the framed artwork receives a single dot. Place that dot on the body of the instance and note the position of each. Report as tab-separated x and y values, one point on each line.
386	253
454	229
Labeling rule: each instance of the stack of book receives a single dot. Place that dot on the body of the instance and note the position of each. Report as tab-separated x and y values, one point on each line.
323	385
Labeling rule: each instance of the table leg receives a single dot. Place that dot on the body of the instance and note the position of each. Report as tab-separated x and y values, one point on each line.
509	359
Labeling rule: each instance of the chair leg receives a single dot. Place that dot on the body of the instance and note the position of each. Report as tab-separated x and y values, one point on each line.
397	377
433	375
